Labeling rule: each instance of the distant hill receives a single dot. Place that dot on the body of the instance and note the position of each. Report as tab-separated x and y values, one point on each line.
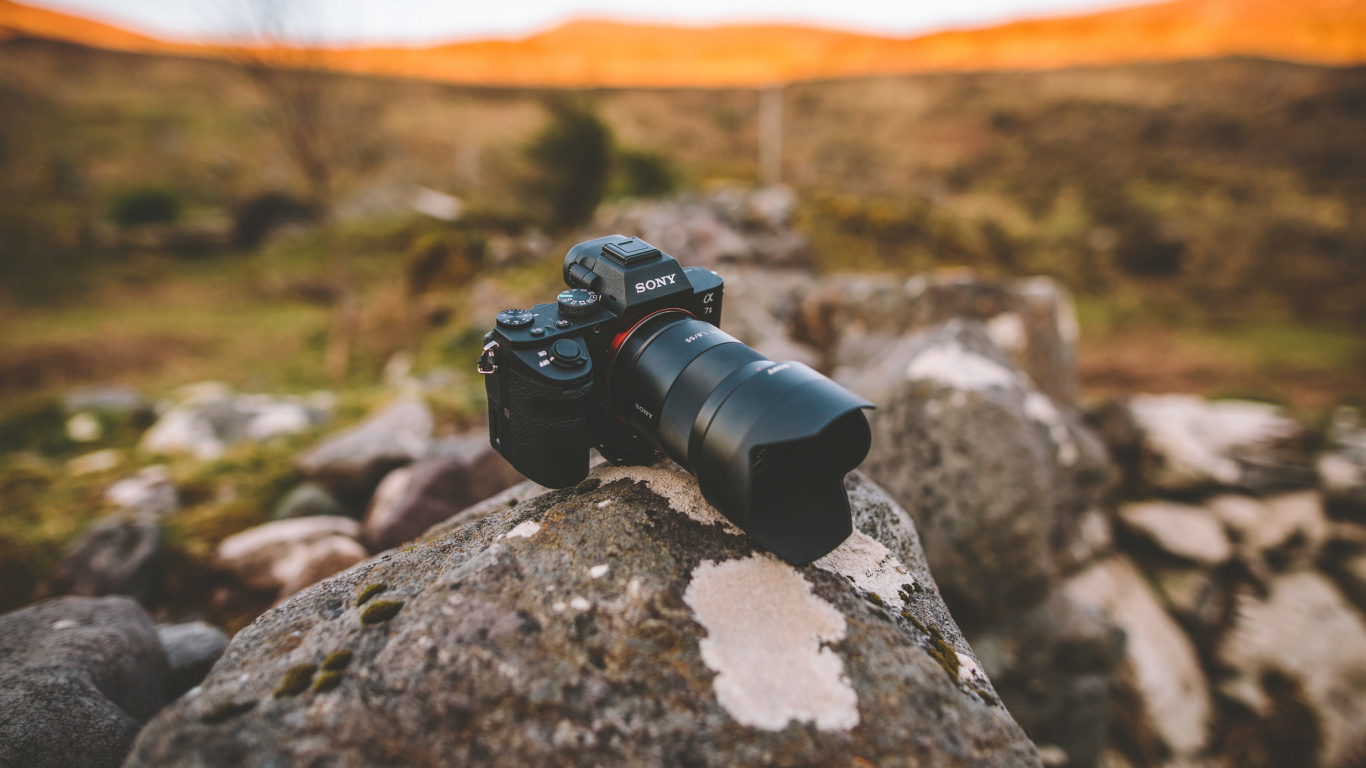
602	53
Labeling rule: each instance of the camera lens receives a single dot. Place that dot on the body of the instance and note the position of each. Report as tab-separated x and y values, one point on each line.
770	442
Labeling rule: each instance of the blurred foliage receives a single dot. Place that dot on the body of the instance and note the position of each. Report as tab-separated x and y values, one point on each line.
642	173
572	156
145	205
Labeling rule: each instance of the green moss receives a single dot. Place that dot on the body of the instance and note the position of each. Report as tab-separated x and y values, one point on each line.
874	598
369	592
380	611
227	711
327	681
940	650
337	660
986	695
296	680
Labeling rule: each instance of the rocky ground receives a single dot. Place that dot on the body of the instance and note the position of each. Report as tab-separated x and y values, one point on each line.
1157	580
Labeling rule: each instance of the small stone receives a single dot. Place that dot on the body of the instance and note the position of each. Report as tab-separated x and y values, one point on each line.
288	555
95	462
461	472
191	649
310	500
115	556
150	491
351	463
84	428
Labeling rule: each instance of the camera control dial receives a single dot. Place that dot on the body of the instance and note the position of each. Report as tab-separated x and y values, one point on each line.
576	302
515	318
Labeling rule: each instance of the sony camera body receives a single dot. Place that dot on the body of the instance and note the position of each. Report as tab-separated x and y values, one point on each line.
630	359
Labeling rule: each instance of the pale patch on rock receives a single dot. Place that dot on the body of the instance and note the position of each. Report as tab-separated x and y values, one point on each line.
1041	409
1338	473
1196	439
1008	331
598	571
1188	532
951	365
870	566
1305	630
676	486
1171	686
579	603
524	530
765	636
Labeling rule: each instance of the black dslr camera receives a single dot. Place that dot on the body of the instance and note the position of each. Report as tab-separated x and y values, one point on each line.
630	359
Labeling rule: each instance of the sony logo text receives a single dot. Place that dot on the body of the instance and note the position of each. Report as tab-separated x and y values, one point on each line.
659	282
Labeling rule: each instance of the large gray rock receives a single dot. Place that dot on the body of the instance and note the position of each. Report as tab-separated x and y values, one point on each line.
412	499
850	318
997	477
352	463
118	555
1305	637
621	623
78	677
191	650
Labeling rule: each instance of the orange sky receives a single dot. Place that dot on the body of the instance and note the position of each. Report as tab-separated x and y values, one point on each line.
578	54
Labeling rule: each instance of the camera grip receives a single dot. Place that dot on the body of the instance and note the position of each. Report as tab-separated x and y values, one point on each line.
543	431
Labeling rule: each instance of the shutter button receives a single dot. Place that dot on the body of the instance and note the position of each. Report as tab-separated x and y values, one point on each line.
568	353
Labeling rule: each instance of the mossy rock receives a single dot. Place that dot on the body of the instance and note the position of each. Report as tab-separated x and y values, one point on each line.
622	624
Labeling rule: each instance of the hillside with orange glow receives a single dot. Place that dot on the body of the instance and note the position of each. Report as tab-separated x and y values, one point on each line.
601	53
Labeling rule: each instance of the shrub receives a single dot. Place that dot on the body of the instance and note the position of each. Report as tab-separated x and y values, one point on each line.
641	173
145	205
572	155
257	216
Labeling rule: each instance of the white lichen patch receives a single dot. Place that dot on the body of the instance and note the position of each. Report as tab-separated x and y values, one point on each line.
1038	407
676	486
870	566
766	632
598	571
969	672
524	530
952	365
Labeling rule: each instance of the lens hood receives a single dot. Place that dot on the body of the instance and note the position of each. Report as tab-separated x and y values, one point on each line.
771	453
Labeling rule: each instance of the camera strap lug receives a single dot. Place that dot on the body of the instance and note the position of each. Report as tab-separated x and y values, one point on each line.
488	361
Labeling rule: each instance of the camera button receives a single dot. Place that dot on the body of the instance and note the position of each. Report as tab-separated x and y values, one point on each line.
568	353
537	331
562	323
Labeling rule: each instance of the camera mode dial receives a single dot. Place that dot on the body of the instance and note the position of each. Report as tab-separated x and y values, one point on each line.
576	302
515	318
